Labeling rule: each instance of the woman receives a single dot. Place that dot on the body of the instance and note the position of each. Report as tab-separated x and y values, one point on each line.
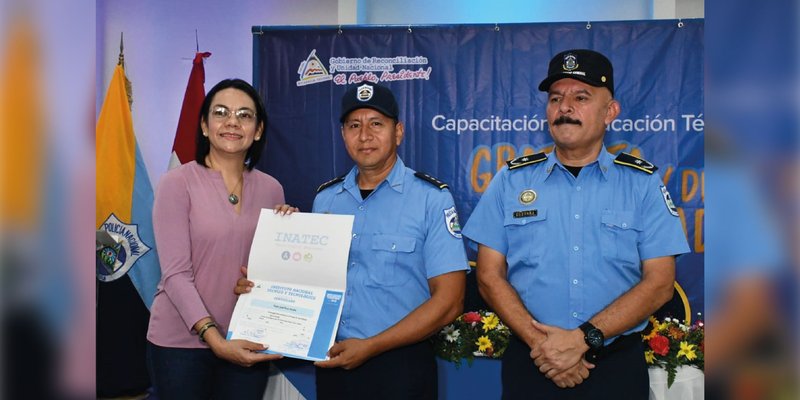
204	218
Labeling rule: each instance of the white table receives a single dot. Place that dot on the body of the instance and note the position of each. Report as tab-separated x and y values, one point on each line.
689	384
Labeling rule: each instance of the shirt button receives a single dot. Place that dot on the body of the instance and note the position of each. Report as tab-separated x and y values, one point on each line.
577	216
394	246
578	188
361	208
573	314
342	323
575	281
355	235
624	225
352	264
576	248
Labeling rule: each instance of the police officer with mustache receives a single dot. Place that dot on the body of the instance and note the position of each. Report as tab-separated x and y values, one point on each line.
576	248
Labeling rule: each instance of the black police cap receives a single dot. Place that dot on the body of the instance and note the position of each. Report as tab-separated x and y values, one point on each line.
369	95
587	66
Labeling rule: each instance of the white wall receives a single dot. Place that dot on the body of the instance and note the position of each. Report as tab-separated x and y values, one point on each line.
690	9
160	40
502	11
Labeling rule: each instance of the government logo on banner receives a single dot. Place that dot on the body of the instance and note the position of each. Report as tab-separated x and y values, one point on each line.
312	70
353	70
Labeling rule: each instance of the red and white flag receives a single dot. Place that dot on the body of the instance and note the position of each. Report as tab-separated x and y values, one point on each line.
183	148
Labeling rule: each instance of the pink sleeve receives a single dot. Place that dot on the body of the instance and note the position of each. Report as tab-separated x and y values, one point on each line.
173	241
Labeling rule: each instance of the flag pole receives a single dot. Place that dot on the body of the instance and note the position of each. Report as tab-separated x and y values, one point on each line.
121	63
121	60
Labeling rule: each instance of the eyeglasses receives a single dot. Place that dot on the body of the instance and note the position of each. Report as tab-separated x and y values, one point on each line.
243	115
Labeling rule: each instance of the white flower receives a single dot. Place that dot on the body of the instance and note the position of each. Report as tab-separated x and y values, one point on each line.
450	333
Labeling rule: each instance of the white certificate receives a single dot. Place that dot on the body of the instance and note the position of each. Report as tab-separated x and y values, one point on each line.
298	264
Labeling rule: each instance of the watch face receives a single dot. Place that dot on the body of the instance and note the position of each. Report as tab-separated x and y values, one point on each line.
594	338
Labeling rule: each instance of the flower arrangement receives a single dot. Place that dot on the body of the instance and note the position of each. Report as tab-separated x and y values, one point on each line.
472	334
672	343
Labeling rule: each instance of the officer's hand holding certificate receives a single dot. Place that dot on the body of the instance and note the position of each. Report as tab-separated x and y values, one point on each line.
298	265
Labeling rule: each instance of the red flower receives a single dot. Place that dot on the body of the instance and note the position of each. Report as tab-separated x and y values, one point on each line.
660	345
472	317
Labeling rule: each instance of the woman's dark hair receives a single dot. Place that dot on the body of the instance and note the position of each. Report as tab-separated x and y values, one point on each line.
204	145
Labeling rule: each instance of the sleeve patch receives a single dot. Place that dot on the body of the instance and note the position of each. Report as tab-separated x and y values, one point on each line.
451	222
668	201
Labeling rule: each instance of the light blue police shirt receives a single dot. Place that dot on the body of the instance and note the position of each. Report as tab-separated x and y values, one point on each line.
405	232
574	245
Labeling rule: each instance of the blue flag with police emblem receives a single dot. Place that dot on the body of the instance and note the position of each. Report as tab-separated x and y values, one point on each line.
124	208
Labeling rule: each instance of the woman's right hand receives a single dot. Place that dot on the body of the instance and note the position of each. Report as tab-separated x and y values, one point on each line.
243	285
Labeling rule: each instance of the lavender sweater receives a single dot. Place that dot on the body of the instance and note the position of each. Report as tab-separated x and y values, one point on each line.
201	244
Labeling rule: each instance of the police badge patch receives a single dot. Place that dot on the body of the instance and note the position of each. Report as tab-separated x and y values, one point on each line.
527	196
451	221
668	200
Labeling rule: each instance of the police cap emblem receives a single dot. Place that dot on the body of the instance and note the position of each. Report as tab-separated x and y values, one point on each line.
364	92
570	62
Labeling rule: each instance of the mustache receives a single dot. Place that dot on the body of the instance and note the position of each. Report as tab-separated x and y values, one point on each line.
566	120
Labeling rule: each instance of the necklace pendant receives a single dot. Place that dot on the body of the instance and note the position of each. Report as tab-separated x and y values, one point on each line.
234	199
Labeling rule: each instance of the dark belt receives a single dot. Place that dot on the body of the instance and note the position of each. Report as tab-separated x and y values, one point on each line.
620	343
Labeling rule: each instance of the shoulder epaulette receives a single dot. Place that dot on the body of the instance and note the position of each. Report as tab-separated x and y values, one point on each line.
635	162
530	159
427	178
330	182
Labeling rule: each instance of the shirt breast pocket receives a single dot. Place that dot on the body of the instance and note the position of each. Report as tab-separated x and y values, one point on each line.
523	229
619	237
393	259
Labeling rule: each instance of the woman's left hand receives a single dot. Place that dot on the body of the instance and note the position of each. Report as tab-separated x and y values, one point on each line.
284	209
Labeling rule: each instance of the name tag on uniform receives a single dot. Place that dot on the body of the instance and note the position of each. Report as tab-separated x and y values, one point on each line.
526	213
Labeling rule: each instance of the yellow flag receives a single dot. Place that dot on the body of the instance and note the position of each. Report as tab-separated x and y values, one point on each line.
115	153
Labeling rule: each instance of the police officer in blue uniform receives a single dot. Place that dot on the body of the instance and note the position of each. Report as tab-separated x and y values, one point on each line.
576	248
406	277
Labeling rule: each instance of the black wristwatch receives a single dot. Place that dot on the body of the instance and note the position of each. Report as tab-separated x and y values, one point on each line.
594	339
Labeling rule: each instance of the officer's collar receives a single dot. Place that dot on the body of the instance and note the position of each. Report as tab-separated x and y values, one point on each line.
394	179
604	161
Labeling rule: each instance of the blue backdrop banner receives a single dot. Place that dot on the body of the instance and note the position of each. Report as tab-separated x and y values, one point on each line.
469	100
